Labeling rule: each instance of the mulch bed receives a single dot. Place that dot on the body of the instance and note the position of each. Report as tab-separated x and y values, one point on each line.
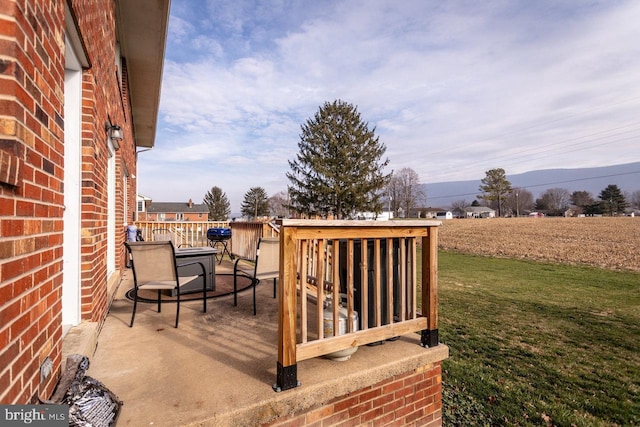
224	286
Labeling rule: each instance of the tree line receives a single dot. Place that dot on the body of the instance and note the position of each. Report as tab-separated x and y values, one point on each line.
340	172
498	194
255	204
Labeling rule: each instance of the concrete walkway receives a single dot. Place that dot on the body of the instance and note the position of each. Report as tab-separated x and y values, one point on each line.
218	368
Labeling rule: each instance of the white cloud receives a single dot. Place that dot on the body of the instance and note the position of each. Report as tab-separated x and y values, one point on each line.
453	88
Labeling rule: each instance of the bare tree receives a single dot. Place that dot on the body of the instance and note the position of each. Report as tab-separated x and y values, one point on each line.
393	195
459	207
635	199
555	201
405	190
278	204
519	201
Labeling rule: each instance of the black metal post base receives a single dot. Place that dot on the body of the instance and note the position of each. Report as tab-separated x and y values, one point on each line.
286	377
429	338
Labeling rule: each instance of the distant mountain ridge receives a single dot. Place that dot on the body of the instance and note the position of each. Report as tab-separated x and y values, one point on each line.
593	180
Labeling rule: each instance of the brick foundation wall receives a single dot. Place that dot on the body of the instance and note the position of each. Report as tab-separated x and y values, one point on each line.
410	399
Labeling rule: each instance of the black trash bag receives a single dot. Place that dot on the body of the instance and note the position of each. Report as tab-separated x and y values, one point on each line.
91	403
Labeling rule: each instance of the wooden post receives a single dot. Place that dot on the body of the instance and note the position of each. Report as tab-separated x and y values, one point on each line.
429	336
287	368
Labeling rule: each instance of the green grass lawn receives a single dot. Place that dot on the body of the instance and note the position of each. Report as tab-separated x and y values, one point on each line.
538	344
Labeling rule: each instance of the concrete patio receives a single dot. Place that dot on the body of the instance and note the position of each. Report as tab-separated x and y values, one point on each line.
218	368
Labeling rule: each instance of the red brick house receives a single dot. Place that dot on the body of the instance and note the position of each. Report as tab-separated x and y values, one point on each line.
79	89
174	211
79	93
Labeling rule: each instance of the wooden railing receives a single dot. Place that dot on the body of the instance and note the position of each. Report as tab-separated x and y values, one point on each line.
371	266
182	233
244	235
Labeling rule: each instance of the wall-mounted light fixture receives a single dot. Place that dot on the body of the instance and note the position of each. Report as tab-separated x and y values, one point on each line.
115	134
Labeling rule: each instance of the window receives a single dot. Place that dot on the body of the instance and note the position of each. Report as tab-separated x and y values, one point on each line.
140	206
125	194
118	59
180	216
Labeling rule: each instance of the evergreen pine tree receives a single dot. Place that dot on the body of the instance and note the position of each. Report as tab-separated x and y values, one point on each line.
613	201
218	204
495	188
338	169
255	203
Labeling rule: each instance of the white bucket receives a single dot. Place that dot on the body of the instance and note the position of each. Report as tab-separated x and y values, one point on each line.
345	354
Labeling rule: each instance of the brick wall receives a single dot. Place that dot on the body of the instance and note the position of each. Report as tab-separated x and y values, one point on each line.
31	195
104	100
32	73
410	399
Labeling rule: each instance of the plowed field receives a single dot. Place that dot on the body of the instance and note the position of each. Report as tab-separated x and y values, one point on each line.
605	242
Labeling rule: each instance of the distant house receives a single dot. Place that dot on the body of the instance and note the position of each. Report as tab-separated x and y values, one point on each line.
174	211
428	212
142	203
444	215
372	216
479	212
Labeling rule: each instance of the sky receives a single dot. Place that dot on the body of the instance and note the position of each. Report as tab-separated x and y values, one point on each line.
452	88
